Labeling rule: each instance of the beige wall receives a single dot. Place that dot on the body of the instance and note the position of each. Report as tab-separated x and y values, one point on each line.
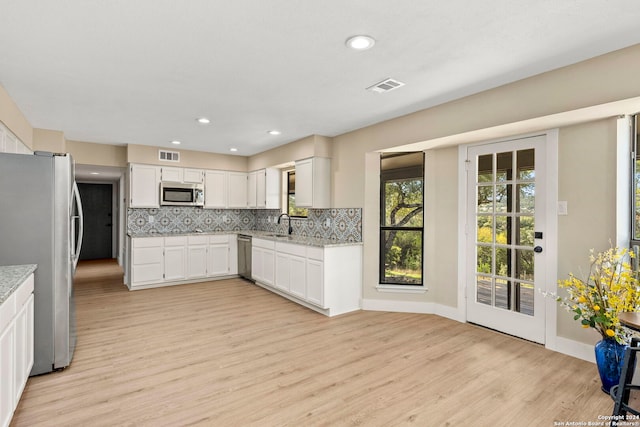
49	140
13	118
311	146
190	159
87	153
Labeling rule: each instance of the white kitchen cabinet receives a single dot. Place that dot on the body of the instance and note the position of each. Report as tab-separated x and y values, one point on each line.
171	174
263	189
144	186
313	183
218	261
197	256
193	176
325	279
175	258
147	261
216	189
237	190
263	261
16	347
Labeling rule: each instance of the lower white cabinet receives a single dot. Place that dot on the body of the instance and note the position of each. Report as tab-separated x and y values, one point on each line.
16	347
162	261
326	279
263	261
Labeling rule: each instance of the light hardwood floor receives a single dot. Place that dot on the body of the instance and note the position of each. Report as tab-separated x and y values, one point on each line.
228	353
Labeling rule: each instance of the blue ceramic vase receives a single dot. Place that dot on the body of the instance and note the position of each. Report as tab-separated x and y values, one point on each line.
609	358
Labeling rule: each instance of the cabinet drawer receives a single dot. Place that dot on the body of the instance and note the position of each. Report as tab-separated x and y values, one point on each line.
220	238
265	244
7	311
198	240
175	241
147	256
315	253
24	291
291	249
147	242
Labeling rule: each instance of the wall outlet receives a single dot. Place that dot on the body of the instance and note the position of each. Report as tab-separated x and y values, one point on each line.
224	218
268	219
151	219
327	222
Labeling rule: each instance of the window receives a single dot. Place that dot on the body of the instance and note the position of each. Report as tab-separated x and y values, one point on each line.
292	210
401	218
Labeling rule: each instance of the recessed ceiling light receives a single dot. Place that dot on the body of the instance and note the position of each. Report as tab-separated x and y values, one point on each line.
233	149
203	120
94	173
176	142
360	42
274	132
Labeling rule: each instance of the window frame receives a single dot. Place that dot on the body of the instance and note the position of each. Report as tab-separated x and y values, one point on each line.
396	175
288	192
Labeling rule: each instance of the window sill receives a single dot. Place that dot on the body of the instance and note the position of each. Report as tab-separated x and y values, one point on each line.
402	289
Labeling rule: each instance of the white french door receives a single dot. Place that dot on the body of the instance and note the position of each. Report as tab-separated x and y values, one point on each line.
505	236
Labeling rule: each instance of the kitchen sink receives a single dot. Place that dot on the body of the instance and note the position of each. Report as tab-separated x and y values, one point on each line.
279	236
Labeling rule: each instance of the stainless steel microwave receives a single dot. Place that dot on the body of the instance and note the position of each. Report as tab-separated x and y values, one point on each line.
179	194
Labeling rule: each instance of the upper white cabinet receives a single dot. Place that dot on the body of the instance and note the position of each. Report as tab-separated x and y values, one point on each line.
183	175
171	174
313	183
144	186
263	189
193	176
215	189
237	185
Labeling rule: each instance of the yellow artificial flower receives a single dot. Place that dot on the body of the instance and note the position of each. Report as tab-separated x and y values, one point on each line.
586	326
582	299
609	332
596	308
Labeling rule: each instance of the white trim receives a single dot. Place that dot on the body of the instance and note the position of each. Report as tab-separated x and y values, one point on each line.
576	349
412	307
623	182
462	231
402	289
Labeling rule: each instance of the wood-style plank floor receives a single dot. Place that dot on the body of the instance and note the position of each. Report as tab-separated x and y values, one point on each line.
228	353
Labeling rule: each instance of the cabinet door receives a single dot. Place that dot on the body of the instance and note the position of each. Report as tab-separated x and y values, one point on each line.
215	189
218	262
237	190
282	271
261	189
252	190
268	266
172	174
174	263
257	272
315	282
7	366
297	274
193	176
144	186
197	261
304	183
272	188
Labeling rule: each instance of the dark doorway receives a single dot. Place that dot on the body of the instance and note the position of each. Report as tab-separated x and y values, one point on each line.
97	205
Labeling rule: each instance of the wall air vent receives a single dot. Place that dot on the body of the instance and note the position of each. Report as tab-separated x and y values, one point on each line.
385	86
169	156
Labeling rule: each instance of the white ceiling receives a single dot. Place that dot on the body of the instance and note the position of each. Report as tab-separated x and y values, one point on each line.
142	71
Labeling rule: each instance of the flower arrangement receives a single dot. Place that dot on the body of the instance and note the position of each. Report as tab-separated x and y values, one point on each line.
611	288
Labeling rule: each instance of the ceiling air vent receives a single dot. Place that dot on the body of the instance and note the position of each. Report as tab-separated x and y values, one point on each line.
169	156
385	86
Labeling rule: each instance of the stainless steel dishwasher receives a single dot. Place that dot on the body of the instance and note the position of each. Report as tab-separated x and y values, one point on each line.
244	256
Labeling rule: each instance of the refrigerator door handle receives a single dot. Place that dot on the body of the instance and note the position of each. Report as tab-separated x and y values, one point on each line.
76	245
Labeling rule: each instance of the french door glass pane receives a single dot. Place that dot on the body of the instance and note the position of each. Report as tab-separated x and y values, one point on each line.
505	230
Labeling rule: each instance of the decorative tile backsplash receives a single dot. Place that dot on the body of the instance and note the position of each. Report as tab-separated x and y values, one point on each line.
341	225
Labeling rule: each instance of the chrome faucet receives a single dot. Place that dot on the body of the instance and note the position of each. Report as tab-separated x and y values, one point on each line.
289	218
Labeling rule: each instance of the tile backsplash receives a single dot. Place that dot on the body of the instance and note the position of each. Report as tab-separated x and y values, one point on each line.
341	225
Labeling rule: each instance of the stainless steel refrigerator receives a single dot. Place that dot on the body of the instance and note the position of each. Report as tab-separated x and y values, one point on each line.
41	223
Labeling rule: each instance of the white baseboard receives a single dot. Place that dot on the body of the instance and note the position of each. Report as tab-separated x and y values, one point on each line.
562	345
412	307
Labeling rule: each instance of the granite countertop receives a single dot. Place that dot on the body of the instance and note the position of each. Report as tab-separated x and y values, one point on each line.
12	276
268	235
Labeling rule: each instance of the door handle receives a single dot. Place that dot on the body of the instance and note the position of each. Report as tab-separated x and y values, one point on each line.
537	249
